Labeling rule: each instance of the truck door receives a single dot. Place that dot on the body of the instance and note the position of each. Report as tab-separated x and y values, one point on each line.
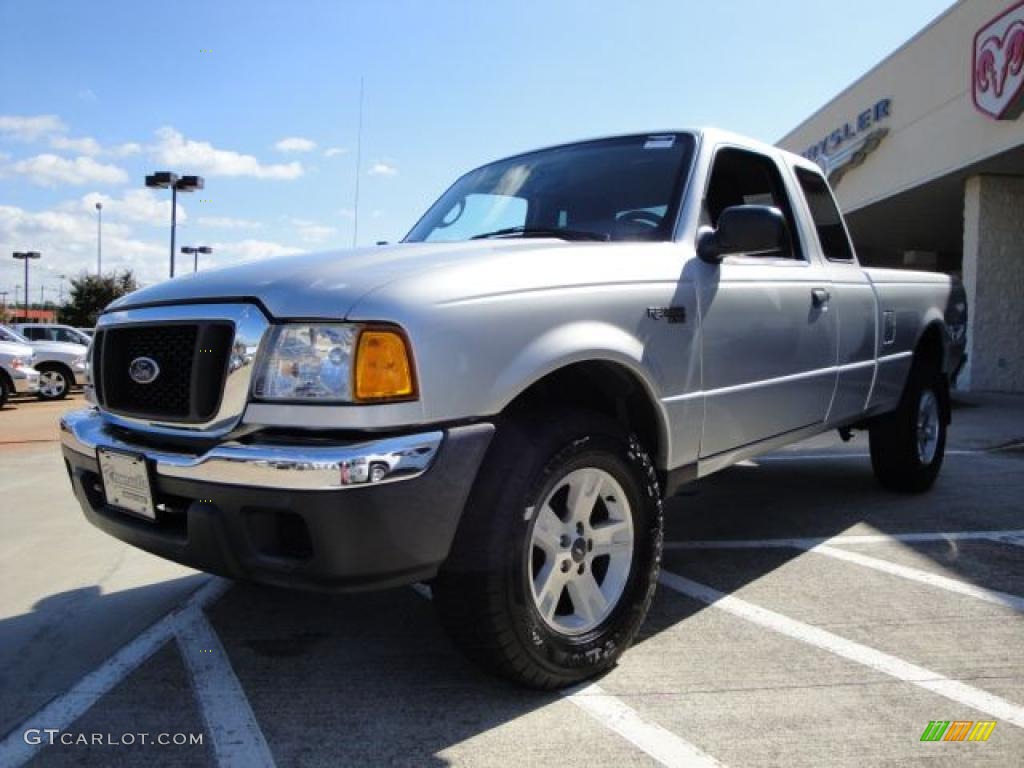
768	339
853	299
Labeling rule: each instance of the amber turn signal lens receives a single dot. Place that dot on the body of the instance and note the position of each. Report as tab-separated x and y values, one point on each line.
383	369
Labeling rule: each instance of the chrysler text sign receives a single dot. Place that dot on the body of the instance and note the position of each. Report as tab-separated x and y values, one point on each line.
998	77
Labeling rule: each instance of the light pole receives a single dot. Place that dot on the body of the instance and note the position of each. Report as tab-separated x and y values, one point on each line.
165	179
27	256
195	251
60	289
99	239
3	306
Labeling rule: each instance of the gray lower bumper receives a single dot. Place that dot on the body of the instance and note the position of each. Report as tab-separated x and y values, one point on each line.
293	515
280	467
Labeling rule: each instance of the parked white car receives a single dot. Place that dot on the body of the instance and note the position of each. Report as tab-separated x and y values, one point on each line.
53	332
61	366
16	372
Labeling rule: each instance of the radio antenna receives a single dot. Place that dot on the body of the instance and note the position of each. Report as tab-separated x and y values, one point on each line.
359	166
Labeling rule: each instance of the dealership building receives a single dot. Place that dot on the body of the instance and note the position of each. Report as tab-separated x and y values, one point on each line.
926	155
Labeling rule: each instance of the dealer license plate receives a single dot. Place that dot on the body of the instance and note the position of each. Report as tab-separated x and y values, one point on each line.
126	482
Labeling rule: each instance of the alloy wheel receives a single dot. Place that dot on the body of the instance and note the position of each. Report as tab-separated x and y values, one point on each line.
581	551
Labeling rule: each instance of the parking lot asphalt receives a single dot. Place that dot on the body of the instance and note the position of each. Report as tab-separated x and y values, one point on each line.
805	618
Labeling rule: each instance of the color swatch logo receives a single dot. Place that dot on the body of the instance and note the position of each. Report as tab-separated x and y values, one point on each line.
958	730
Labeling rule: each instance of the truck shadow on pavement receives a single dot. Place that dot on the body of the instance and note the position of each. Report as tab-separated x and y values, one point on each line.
359	679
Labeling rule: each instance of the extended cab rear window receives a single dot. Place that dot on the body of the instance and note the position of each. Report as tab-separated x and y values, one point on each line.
827	219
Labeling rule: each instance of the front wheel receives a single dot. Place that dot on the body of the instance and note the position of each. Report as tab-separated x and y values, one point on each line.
53	383
556	558
908	445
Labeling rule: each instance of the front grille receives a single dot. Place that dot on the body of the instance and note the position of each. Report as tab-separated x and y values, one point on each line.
192	359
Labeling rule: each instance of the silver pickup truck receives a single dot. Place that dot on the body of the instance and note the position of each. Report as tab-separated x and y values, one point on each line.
498	404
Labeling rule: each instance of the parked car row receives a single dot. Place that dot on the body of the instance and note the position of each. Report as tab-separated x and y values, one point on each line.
46	360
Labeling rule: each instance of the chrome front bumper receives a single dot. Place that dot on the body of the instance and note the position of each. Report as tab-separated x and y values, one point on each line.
278	467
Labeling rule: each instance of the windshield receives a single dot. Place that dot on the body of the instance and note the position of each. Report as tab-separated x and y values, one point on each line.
625	188
6	334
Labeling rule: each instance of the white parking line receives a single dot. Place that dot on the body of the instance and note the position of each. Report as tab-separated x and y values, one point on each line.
923	577
1010	537
237	738
664	746
953	690
62	711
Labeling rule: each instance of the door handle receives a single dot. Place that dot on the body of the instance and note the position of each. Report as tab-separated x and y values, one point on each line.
820	296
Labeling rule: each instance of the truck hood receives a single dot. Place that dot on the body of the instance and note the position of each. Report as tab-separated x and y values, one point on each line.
10	349
60	348
329	284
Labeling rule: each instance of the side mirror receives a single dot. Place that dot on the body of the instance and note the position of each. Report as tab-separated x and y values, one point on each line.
743	229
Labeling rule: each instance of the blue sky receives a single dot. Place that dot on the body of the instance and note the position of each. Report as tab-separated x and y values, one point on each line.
261	98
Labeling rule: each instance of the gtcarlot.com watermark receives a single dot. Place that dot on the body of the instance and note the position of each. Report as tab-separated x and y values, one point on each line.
51	736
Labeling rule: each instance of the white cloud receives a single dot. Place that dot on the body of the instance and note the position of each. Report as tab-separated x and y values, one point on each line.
138	206
87	94
174	149
347	213
227	222
66	236
30	127
245	250
67	240
335	151
49	170
312	232
295	144
84	146
382	169
126	149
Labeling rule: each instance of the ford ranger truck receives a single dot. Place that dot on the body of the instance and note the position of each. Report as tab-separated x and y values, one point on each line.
498	404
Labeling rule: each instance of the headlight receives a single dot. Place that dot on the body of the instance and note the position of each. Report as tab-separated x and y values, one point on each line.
338	362
16	363
78	362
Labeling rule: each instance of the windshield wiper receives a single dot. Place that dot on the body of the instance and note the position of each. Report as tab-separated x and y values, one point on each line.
564	234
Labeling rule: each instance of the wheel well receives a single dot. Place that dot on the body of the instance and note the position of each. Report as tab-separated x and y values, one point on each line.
929	354
929	359
604	387
56	364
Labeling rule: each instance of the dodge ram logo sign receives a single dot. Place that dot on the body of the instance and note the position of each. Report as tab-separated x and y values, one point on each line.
998	76
143	370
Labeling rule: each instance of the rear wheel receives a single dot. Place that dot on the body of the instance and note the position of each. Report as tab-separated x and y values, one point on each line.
908	445
5	389
54	382
556	558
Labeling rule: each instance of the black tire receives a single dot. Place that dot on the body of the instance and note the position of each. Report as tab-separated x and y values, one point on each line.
5	389
898	462
52	372
484	593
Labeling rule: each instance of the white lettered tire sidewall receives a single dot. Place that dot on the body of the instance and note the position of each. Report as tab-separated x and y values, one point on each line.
600	647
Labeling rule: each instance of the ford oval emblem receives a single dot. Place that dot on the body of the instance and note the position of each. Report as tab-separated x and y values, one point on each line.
143	370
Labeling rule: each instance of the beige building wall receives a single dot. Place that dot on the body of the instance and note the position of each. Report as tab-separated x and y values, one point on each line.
994	279
934	127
